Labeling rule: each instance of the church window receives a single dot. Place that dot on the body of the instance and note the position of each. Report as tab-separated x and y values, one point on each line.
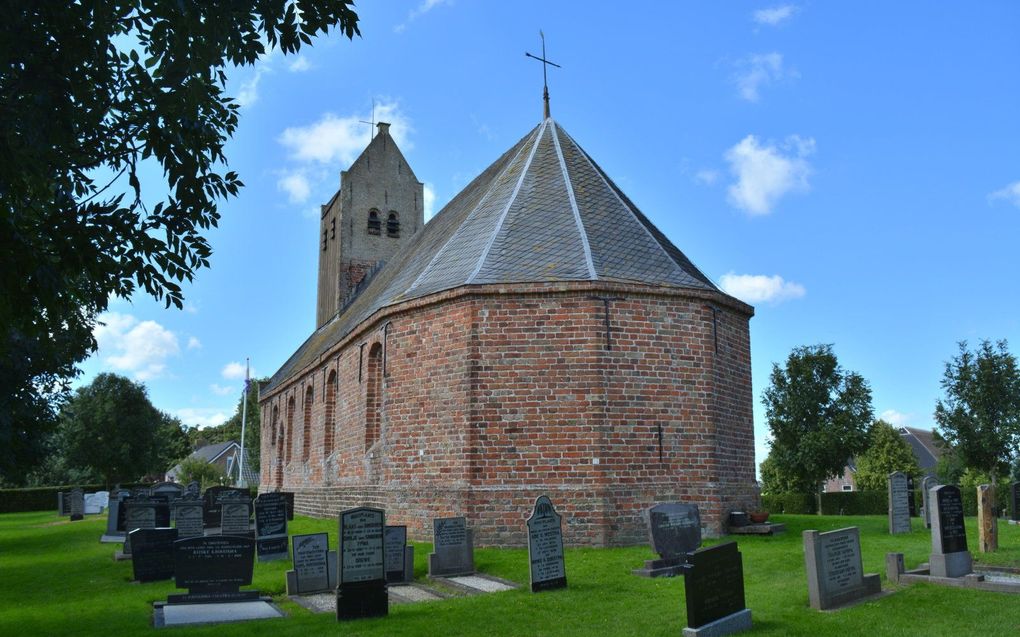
330	414
393	225
306	437
288	432
332	228
324	240
274	425
374	223
373	395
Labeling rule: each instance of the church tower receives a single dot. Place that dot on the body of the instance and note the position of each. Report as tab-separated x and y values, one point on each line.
376	211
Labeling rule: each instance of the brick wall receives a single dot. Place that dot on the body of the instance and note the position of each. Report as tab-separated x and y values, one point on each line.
488	400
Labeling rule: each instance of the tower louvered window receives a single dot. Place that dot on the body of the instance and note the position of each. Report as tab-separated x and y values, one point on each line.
393	225
374	223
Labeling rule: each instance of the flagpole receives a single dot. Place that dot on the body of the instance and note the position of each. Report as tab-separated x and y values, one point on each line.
244	415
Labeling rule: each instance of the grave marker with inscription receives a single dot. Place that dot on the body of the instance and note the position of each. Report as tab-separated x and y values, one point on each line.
314	565
143	513
714	585
213	568
988	524
545	547
362	588
453	548
188	518
949	555
77	504
399	556
152	554
674	530
271	527
235	518
899	507
835	571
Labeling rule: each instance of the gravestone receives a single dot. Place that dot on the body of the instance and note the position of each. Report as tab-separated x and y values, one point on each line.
949	556
674	530
96	502
361	591
289	496
988	524
170	490
188	518
211	518
453	548
271	527
911	497
213	568
927	485
77	504
235	517
141	512
399	556
114	518
1014	493
714	591
194	489
835	572
545	547
152	554
314	565
62	508
899	510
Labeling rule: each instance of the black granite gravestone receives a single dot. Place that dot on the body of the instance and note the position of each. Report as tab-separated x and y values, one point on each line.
545	547
211	512
674	530
271	527
951	529
235	517
1014	490
311	573
289	495
453	548
188	517
194	489
213	568
911	497
714	584
362	588
152	554
396	545
77	504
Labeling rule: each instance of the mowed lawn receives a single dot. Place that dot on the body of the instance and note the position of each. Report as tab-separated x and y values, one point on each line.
57	579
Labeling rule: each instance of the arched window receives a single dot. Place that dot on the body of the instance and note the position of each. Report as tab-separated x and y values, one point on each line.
373	395
288	430
393	224
330	424
374	223
306	437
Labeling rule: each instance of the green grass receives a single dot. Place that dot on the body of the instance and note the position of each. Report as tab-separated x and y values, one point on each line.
57	579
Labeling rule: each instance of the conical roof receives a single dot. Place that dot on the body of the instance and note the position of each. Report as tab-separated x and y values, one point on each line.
543	212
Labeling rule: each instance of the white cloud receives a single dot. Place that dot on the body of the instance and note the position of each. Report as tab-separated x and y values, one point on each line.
429	201
766	172
194	343
233	370
1009	194
139	348
334	138
759	288
248	92
706	177
296	185
202	417
299	65
773	16
417	12
191	308
222	390
895	418
760	70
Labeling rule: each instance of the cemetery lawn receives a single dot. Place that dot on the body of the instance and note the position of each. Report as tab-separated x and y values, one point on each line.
57	579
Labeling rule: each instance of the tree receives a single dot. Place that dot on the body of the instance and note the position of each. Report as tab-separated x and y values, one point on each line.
980	412
230	429
172	443
774	477
202	471
111	428
887	452
818	414
90	95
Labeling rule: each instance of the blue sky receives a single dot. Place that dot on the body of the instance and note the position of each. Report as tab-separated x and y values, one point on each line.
850	169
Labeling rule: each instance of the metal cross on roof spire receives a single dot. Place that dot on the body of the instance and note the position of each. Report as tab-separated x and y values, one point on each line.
372	123
545	79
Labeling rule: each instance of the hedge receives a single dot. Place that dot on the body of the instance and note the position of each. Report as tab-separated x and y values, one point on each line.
856	502
43	498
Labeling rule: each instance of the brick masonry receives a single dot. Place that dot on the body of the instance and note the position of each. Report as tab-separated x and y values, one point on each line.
477	400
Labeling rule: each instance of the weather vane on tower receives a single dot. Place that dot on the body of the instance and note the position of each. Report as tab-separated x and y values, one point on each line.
545	79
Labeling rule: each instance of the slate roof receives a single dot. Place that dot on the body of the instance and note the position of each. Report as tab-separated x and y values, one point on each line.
922	443
543	212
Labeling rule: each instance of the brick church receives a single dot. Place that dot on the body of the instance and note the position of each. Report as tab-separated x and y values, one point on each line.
538	336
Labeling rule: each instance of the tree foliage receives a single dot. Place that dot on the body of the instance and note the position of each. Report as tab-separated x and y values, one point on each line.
887	452
776	478
230	429
110	428
90	95
201	471
818	414
979	415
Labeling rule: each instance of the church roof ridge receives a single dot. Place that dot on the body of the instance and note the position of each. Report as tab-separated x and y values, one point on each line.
543	212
